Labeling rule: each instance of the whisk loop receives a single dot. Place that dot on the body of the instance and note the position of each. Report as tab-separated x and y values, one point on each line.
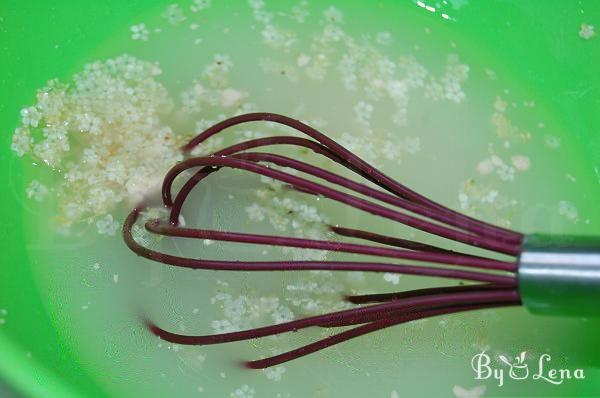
495	279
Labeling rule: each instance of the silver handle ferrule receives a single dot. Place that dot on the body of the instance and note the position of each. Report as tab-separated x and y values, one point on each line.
560	275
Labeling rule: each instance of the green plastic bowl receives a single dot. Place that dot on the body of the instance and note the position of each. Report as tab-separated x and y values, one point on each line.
535	43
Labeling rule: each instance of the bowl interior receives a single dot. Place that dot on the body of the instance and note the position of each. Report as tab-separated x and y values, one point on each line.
526	53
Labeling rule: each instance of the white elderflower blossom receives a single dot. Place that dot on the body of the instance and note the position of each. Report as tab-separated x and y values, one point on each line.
231	97
174	14
332	33
199	5
117	152
302	60
216	74
282	314
256	4
262	16
394	279
21	141
107	225
300	12
255	212
272	36
521	162
245	391
333	15
139	32
222	62
384	38
274	373
363	111
36	190
30	116
587	31
568	210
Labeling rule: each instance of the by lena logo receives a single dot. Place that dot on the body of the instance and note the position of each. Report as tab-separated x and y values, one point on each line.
518	369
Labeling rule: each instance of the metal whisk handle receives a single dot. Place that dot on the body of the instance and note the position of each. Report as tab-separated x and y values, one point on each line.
560	275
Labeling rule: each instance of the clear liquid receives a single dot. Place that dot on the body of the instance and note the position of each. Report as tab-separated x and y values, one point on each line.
97	287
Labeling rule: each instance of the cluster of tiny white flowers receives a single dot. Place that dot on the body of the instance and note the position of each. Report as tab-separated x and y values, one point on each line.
30	116
363	111
521	162
302	211
384	38
3	314
282	314
505	129
112	110
300	11
394	279
256	4
216	72
192	98
410	145
505	171
360	145
245	391
21	141
213	88
495	163
302	60
275	67
199	5
274	373
332	33
139	32
174	14
223	326
363	67
289	214
568	210
255	212
36	190
333	15
472	193
448	86
107	225
484	201
231	97
245	312
275	36
316	293
552	141
587	31
316	69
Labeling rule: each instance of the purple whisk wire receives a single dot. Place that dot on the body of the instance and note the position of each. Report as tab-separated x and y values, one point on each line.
223	265
163	228
383	297
377	311
342	197
355	163
496	278
366	329
373	318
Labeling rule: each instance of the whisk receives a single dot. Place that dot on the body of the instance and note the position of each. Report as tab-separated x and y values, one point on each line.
547	274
